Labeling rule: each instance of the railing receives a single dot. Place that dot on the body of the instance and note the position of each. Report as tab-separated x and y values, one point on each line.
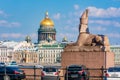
93	74
34	73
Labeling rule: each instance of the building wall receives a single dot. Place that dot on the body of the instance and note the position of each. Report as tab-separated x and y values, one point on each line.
49	55
41	56
44	52
25	57
116	50
5	54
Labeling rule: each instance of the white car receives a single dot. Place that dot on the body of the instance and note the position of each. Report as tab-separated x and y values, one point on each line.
113	73
39	66
49	73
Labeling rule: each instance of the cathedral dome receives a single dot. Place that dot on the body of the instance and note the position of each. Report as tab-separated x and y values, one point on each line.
47	21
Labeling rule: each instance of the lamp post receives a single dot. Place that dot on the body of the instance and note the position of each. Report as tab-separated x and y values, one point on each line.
104	68
105	60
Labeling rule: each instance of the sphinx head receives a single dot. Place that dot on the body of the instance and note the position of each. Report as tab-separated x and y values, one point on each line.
83	27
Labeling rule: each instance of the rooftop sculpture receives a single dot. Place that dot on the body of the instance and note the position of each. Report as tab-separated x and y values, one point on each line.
87	41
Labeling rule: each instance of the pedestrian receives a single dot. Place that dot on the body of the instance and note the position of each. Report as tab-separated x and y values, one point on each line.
84	75
105	75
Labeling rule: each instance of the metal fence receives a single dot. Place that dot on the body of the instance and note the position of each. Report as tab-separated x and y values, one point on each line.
34	73
93	73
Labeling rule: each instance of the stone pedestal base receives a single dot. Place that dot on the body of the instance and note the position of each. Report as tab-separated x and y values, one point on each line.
91	60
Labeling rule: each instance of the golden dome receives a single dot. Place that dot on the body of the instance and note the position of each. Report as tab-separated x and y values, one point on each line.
47	21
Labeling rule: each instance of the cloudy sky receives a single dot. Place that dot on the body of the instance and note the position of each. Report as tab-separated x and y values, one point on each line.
19	18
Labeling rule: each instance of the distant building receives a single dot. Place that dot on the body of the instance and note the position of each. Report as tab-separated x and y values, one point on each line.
50	54
116	50
26	53
46	51
6	51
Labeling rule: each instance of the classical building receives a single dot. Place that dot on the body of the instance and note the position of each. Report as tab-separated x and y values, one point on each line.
5	54
50	54
116	50
7	49
25	56
26	52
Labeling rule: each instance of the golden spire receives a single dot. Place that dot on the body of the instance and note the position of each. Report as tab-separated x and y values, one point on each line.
46	14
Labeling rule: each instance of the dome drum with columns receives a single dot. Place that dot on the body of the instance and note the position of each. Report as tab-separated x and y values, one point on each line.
46	29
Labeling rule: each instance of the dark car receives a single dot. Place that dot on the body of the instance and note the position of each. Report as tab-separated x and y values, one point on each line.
2	64
50	73
12	73
76	72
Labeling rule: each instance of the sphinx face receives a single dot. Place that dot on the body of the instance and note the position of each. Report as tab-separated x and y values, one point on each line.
83	29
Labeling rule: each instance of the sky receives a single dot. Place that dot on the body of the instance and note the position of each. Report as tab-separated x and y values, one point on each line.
19	18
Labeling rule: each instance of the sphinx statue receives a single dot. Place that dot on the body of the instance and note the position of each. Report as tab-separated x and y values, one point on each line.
87	41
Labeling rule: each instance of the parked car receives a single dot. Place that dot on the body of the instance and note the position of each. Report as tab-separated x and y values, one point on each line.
13	63
2	64
76	72
13	73
38	66
49	73
113	73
